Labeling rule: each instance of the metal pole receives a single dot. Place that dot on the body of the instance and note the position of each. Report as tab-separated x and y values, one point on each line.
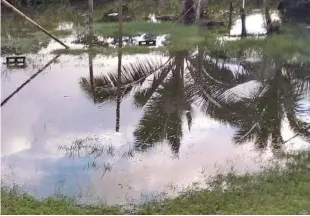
33	22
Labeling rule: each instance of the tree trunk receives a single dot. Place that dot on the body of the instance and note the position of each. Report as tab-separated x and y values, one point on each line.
267	16
201	7
243	26
188	12
198	11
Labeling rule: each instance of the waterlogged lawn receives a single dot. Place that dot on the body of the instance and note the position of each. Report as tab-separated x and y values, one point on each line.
14	201
274	191
270	192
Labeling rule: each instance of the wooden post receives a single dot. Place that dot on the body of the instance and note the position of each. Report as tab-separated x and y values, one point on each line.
33	22
90	45
120	24
267	16
90	23
90	14
202	6
230	17
119	65
198	10
183	10
243	27
188	12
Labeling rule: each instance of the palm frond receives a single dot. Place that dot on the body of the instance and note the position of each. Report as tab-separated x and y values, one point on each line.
141	97
137	72
241	92
243	135
189	119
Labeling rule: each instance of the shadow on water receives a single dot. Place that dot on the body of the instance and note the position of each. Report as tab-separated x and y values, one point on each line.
172	117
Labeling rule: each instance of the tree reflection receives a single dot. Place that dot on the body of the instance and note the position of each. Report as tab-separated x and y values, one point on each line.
261	116
257	100
165	102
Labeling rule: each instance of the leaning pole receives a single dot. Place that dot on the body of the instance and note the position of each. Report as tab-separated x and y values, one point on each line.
33	22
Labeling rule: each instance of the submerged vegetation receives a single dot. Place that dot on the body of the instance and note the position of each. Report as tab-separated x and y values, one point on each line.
275	191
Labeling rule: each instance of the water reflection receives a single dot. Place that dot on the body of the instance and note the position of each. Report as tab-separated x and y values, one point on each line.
29	80
279	96
150	121
275	90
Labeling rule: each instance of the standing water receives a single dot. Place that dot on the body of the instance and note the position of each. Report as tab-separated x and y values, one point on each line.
59	131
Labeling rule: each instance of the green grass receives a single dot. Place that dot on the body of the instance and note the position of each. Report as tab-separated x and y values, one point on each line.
20	36
181	37
109	51
130	28
283	46
274	191
139	9
19	45
15	201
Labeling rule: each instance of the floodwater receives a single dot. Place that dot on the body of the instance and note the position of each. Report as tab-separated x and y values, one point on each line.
255	24
81	129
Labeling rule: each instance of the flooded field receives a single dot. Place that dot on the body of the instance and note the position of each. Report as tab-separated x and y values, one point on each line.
169	120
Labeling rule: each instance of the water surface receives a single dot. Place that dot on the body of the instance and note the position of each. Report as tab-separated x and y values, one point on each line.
160	126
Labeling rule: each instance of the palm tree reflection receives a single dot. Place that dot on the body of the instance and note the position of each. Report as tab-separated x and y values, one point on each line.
166	103
208	82
262	114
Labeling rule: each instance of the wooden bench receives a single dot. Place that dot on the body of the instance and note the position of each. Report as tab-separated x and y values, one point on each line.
147	43
15	60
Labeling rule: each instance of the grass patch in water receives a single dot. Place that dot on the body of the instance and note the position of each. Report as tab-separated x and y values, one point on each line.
28	42
110	51
284	46
181	37
20	45
19	36
274	191
134	27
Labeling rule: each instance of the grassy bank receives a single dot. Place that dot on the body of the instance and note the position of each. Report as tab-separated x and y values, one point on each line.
274	191
19	36
14	201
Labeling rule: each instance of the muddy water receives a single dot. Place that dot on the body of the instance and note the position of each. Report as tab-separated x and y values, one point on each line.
61	136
